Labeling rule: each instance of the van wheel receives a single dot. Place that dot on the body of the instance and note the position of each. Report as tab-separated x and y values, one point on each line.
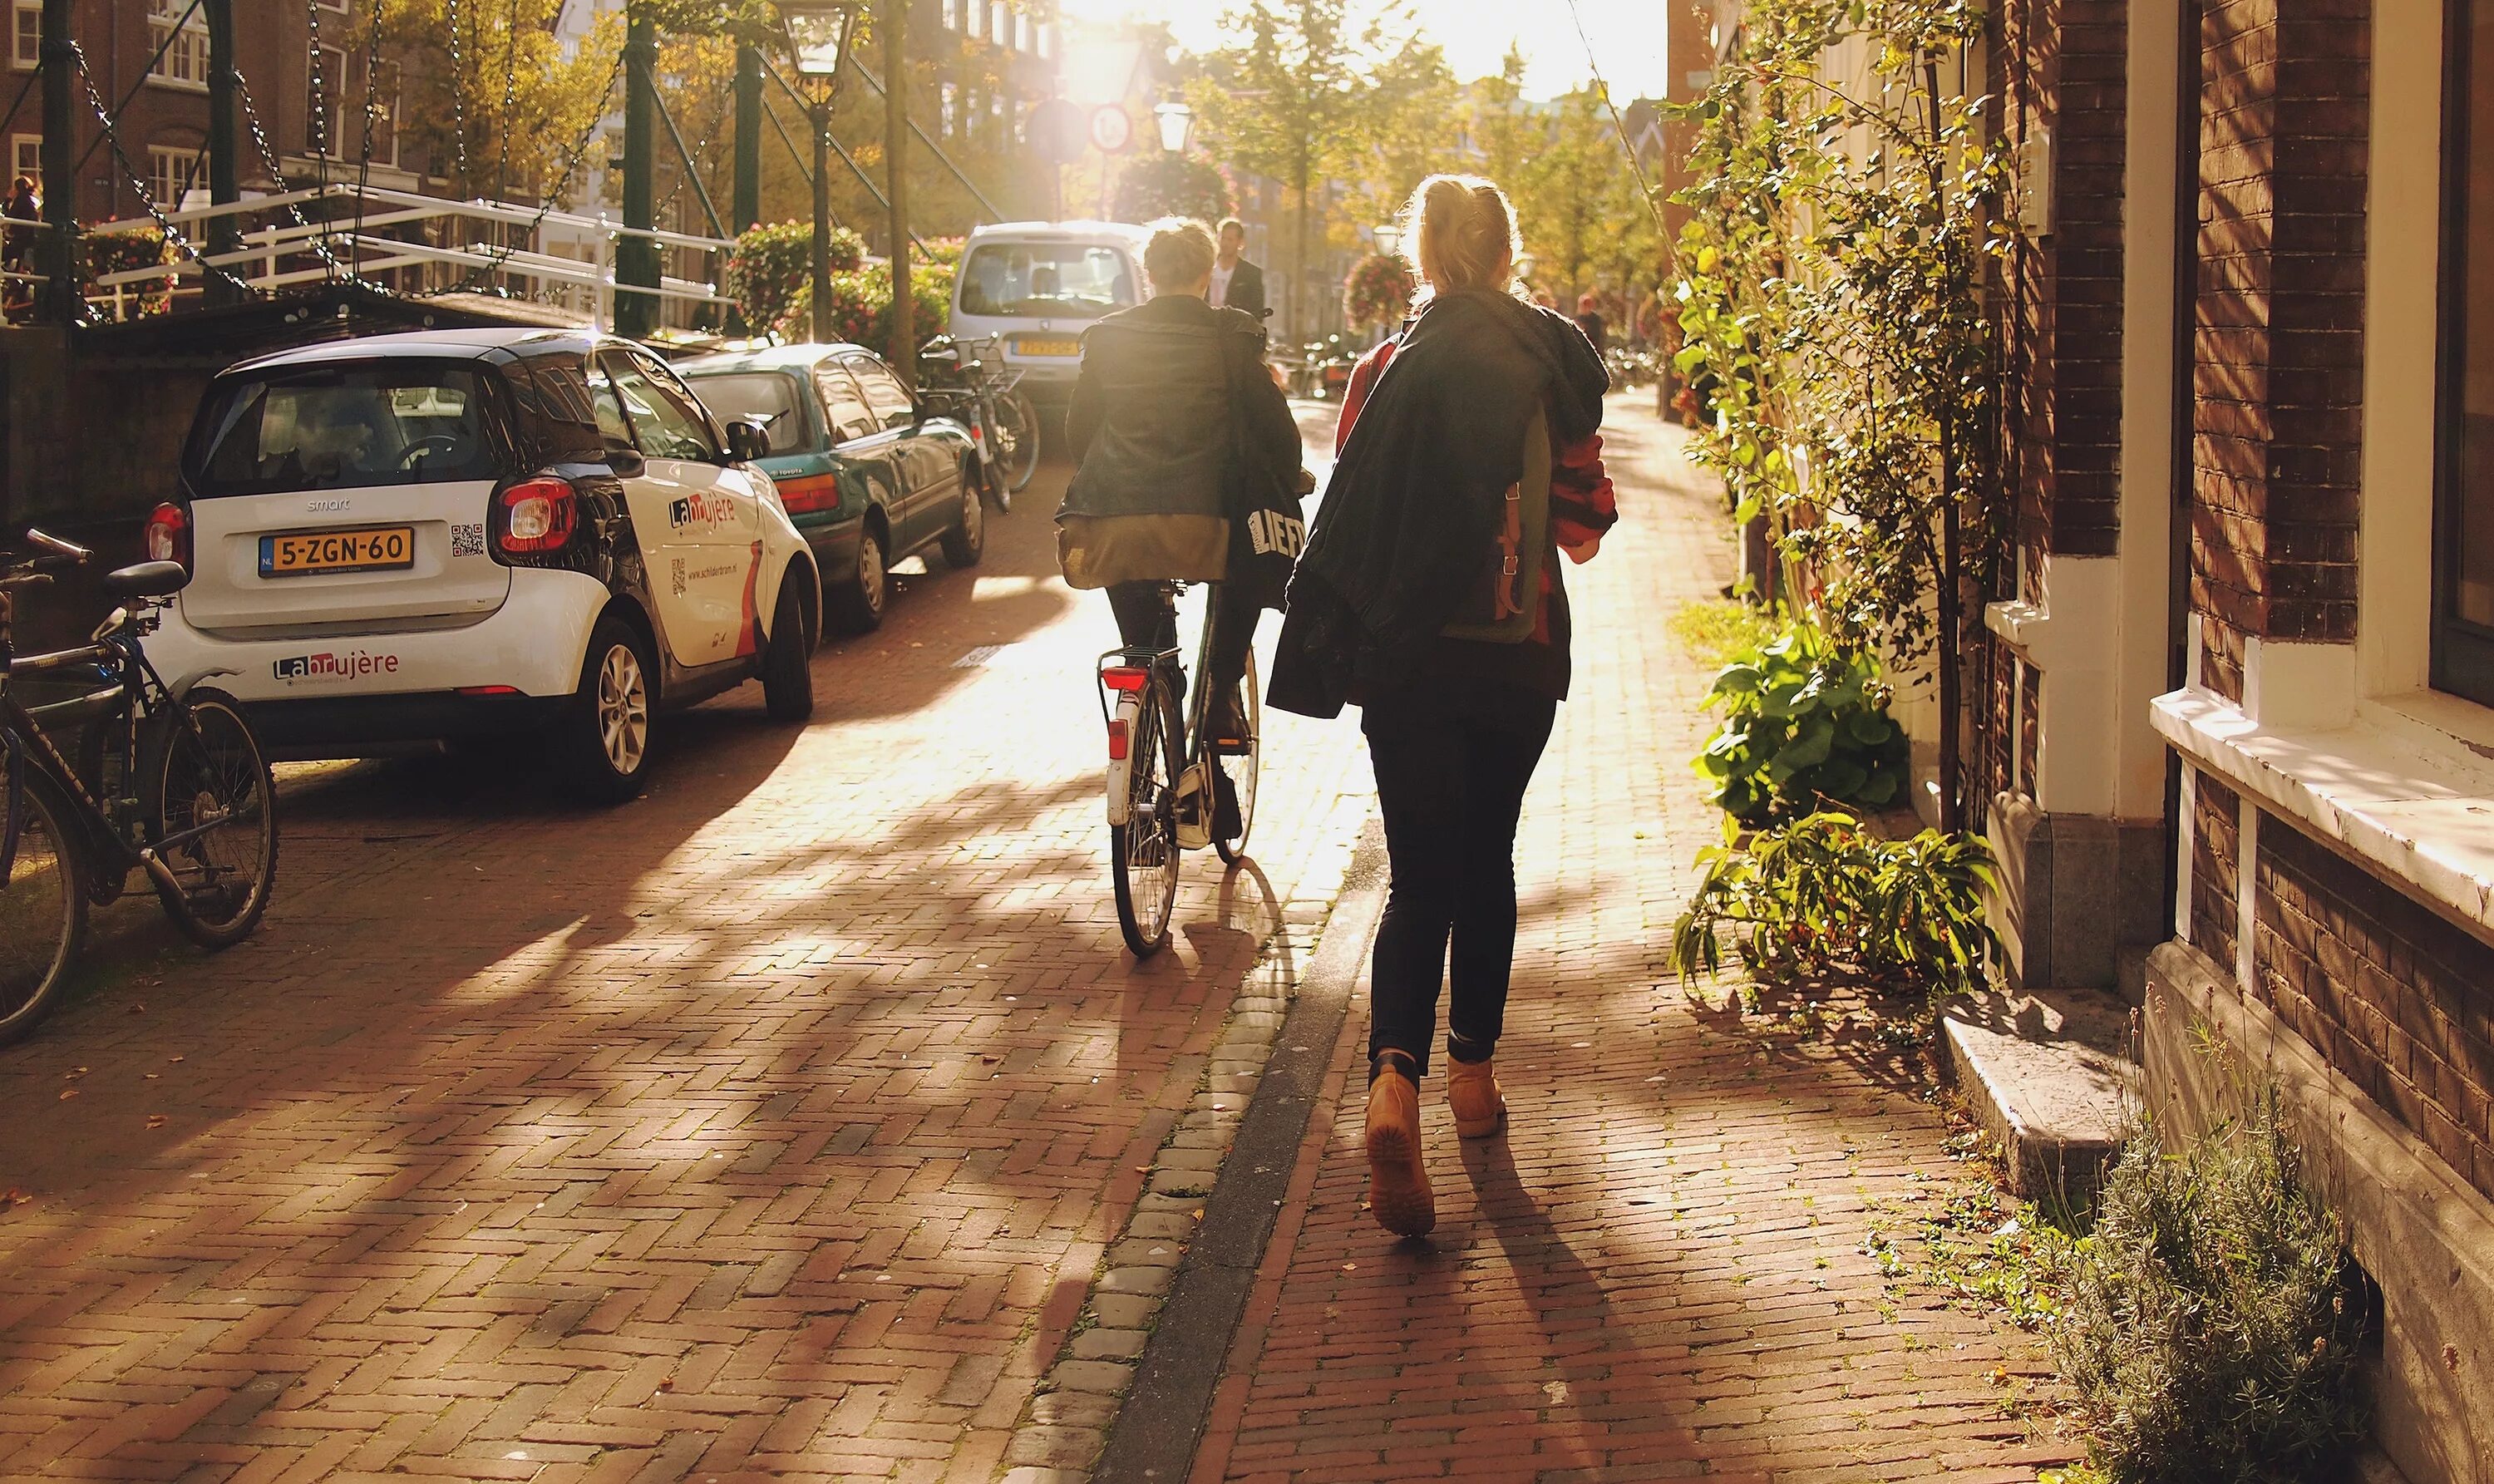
860	598
602	742
787	661
967	541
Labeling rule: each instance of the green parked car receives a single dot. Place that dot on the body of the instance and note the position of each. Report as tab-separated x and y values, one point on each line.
867	474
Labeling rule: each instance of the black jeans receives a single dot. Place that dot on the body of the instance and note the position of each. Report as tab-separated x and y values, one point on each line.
1148	620
1451	769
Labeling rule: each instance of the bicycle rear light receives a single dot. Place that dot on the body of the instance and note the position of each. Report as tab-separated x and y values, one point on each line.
535	515
1124	678
168	535
1117	743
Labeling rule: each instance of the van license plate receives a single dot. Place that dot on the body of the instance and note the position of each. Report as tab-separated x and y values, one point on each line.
1033	345
377	549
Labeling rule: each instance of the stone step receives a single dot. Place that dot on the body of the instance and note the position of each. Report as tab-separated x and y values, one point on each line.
2050	1075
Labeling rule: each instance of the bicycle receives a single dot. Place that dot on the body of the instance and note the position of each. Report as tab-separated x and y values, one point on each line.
1002	422
1166	773
172	785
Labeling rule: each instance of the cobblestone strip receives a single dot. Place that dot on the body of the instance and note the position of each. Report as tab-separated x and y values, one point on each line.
1078	1402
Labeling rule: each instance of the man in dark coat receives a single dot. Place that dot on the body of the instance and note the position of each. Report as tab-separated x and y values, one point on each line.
1236	282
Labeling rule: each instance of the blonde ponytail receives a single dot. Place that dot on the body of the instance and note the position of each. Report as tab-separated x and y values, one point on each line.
1462	235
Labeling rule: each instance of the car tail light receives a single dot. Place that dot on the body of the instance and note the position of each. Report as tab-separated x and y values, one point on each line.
1123	678
535	515
168	535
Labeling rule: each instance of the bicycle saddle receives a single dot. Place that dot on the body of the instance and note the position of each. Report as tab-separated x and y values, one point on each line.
148	579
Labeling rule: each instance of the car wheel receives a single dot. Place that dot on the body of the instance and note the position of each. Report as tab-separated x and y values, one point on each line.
788	662
860	596
603	741
967	541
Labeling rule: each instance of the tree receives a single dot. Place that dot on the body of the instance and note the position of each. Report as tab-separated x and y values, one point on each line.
492	100
1289	99
1412	108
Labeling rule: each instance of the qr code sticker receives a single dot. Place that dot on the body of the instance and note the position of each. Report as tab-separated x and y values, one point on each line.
468	540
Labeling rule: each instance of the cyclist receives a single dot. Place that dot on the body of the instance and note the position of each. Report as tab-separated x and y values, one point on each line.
1189	466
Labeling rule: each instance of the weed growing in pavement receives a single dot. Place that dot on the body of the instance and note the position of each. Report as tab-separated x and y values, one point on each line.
2215	1323
1719	632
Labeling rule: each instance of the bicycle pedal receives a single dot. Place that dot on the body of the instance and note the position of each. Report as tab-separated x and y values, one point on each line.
1193	820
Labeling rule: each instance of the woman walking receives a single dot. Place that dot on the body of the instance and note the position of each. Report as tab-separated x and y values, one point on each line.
1430	596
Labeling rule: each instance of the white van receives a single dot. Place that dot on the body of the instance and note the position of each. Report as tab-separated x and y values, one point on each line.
1037	285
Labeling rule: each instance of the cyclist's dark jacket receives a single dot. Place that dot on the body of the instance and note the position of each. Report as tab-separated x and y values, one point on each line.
1418	494
1152	422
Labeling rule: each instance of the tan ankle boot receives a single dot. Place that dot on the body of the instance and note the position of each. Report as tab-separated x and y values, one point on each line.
1398	1180
1472	1092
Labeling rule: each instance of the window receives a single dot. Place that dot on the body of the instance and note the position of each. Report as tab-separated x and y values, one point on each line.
170	175
765	397
322	123
948	109
884	393
1054	280
333	427
26	33
843	406
383	115
2463	649
185	41
666	423
26	156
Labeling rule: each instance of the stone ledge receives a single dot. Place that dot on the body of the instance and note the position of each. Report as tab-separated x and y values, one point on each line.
2047	1074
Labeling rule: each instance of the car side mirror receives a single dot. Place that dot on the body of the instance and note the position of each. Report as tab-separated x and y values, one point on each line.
748	440
624	460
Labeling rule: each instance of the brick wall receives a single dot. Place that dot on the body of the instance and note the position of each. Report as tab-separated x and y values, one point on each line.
2216	834
2065	72
2030	729
2397	997
2278	364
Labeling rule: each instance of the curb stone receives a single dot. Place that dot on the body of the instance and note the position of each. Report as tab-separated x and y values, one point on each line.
1068	1427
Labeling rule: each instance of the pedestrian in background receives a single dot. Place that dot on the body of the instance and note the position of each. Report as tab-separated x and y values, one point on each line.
1181	434
1589	318
1236	282
1470	455
17	246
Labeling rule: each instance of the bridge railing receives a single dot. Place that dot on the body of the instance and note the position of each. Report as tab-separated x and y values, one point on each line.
382	236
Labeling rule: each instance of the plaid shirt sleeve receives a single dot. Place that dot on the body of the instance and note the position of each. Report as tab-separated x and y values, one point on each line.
1581	503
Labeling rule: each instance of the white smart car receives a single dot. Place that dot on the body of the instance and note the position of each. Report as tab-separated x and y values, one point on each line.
461	534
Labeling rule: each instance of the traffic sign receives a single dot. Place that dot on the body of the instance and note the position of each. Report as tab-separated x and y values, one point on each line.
1112	129
1055	131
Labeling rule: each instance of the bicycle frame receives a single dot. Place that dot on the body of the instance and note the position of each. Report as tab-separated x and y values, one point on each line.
1133	677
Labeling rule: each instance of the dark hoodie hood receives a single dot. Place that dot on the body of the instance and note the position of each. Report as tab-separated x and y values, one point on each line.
1415	495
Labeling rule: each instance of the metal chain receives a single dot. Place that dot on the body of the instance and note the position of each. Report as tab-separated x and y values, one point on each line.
458	98
510	95
276	172
503	252
112	136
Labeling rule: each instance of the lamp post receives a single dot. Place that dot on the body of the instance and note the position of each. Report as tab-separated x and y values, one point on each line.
818	35
1176	123
1388	237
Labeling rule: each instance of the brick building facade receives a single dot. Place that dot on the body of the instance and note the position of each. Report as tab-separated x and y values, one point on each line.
2240	699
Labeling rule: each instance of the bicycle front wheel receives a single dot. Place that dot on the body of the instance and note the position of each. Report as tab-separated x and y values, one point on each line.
1016	441
1143	852
43	905
1240	765
210	795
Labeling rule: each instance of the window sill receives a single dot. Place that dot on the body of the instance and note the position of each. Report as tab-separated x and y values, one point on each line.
177	84
2408	785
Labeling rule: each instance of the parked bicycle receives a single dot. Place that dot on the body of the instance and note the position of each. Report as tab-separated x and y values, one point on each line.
108	772
983	393
1167	774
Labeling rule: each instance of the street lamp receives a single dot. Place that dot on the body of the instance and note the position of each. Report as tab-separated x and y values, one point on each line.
818	33
1177	125
1388	237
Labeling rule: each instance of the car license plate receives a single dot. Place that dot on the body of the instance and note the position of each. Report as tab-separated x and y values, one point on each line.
1035	345
379	547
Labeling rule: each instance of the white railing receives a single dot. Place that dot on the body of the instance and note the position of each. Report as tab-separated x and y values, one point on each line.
274	256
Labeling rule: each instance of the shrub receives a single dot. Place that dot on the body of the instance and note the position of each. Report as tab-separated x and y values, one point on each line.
1821	902
1161	185
1378	291
772	264
1805	725
140	247
2214	1326
862	305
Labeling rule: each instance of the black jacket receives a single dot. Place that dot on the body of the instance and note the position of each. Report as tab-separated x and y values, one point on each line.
1162	386
1415	495
1246	289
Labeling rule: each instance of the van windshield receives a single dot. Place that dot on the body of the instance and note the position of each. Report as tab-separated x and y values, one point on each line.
342	427
1052	280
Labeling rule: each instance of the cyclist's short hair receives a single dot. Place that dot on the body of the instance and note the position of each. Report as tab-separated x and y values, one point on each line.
1179	254
1226	224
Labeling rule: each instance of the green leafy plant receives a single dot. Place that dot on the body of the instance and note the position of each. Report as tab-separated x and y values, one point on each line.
1805	725
1822	902
1166	185
2214	1326
1718	631
139	247
1378	292
861	303
771	266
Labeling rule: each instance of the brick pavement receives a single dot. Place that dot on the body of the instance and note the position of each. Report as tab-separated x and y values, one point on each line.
773	1123
1656	1272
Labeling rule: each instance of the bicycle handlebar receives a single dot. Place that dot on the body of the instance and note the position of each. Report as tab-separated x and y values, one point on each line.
52	554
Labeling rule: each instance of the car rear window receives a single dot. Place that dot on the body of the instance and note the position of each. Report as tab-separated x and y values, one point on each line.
1054	280
766	397
342	427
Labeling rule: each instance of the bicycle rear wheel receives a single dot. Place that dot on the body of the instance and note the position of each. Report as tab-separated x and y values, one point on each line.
211	773
1243	767
1016	434
43	905
1143	852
